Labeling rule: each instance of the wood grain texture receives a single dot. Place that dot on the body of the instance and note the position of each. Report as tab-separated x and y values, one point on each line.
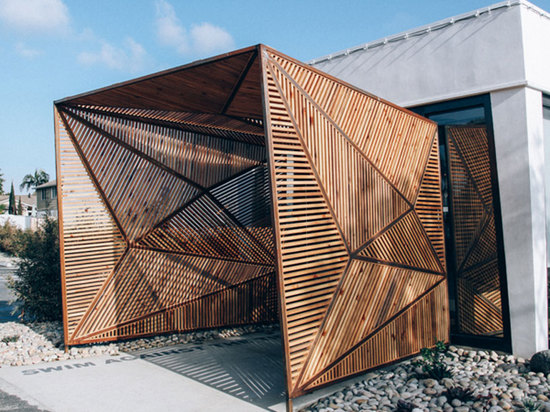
248	187
360	179
166	214
477	260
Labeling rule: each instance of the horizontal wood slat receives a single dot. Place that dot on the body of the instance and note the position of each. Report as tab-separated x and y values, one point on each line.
357	205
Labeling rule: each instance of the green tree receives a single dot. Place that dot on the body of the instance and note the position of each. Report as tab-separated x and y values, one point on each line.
2	180
31	181
11	202
19	207
37	282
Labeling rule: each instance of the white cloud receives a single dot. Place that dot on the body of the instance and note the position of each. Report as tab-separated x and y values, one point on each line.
208	38
35	15
170	32
25	51
130	57
204	38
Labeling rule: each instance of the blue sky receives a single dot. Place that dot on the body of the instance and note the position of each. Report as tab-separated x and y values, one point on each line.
50	49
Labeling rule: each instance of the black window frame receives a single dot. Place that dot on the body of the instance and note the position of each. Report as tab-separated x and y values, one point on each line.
502	343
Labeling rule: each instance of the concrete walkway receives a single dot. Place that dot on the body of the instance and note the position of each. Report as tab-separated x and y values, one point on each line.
235	374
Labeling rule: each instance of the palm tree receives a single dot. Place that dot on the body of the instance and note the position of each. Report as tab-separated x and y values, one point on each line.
32	181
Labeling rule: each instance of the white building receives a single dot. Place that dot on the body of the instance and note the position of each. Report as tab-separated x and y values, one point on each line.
489	68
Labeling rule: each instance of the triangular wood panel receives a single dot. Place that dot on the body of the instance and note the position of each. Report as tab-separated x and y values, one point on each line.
379	130
355	189
147	282
392	247
384	291
413	329
88	229
204	228
202	159
428	205
122	174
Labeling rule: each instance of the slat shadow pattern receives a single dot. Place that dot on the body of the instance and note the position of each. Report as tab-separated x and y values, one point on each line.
250	188
478	277
160	223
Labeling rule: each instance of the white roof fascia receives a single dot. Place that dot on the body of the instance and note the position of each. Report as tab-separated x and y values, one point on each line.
438	25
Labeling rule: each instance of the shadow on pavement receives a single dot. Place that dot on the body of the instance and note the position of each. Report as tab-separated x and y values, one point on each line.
249	368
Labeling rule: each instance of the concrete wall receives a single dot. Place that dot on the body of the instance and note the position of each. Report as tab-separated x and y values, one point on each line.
22	222
536	36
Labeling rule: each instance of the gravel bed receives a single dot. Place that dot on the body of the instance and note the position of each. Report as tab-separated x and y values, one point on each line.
498	382
29	344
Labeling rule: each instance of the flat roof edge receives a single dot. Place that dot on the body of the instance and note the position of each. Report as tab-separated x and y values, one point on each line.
438	25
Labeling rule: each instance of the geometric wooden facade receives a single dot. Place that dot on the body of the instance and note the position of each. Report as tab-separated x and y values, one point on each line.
251	188
476	259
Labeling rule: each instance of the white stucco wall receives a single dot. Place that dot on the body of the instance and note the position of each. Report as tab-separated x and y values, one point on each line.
470	57
536	46
519	147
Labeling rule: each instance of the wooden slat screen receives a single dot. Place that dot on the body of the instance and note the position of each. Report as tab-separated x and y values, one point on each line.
359	223
160	223
476	261
324	213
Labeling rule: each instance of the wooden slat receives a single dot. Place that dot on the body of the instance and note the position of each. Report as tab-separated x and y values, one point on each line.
395	141
477	260
347	167
177	214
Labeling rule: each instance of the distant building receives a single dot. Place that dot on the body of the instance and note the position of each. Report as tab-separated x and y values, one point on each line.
28	203
46	196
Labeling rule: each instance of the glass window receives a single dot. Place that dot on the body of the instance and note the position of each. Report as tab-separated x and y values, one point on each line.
471	215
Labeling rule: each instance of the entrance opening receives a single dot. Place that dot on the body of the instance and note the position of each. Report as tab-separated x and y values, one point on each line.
473	233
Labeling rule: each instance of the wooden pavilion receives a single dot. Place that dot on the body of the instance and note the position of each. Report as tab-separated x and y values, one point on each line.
253	188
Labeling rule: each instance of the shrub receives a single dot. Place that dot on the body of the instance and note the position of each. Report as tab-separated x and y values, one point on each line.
460	393
37	282
404	406
530	405
11	239
8	339
432	362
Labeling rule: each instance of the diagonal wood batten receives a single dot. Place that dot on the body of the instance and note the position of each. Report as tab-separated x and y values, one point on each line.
251	188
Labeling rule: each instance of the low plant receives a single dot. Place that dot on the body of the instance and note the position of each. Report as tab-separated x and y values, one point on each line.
11	239
404	406
37	281
432	362
8	339
530	405
460	393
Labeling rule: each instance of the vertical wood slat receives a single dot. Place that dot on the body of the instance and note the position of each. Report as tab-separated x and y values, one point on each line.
477	260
